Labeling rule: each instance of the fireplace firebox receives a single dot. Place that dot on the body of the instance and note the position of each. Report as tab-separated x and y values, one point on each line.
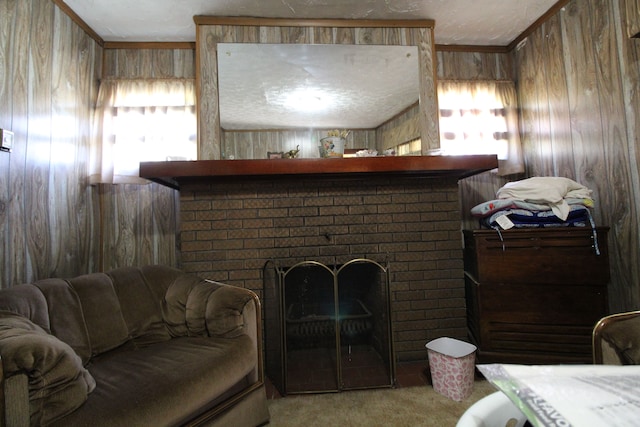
328	327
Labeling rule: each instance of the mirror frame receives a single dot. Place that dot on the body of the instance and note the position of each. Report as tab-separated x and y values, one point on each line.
211	30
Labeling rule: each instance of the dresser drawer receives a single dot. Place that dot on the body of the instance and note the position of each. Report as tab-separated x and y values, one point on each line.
537	256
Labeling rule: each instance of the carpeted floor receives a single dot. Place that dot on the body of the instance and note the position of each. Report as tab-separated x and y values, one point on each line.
418	406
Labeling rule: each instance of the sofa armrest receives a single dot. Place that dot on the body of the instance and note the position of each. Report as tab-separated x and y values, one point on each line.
232	311
609	355
14	405
198	307
56	381
616	339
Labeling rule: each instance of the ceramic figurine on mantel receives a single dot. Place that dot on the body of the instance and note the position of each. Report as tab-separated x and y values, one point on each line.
292	154
333	144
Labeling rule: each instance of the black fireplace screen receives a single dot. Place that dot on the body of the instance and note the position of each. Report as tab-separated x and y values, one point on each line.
328	328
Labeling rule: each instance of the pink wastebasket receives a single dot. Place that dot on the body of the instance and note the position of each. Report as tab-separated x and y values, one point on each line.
452	365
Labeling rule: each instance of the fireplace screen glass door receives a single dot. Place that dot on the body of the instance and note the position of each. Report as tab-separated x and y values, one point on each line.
333	327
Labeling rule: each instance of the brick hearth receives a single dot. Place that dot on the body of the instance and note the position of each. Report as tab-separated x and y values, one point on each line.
230	229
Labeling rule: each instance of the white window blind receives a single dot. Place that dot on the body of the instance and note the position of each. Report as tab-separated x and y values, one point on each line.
481	117
141	120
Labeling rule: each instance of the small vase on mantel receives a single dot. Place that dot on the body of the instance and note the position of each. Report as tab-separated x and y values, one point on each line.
332	146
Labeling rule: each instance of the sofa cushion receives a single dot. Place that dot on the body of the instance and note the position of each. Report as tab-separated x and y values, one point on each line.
57	381
141	308
65	315
160	277
624	336
102	314
28	301
164	383
224	312
174	304
197	307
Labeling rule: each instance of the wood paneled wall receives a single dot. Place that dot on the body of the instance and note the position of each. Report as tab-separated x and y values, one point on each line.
52	222
48	83
633	18
578	82
404	127
146	63
140	222
456	65
139	225
256	144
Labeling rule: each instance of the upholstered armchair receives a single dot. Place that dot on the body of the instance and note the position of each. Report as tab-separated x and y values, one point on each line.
616	339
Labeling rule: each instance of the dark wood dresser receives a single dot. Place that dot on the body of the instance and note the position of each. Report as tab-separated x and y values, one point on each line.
534	295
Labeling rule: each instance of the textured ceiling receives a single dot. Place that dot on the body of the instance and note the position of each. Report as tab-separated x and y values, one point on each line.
476	22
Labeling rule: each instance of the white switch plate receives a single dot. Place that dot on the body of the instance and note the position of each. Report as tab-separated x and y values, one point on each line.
6	140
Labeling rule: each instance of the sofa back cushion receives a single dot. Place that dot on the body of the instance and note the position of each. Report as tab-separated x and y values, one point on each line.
97	312
160	277
175	302
66	315
27	301
196	309
140	304
102	313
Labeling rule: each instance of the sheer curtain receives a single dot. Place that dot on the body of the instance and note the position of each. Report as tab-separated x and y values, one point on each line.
140	120
481	117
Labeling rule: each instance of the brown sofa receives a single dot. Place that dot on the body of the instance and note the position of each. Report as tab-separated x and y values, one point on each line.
149	346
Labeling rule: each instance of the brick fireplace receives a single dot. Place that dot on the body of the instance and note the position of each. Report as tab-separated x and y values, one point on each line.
230	229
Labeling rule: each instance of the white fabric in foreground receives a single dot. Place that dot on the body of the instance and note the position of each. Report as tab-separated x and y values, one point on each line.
493	410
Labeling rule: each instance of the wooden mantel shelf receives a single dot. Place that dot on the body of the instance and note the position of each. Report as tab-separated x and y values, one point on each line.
174	173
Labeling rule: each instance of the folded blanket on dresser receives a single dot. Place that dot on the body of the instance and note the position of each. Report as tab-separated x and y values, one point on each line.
549	190
578	216
538	202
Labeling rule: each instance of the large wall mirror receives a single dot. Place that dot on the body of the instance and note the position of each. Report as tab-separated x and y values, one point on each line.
274	85
291	94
